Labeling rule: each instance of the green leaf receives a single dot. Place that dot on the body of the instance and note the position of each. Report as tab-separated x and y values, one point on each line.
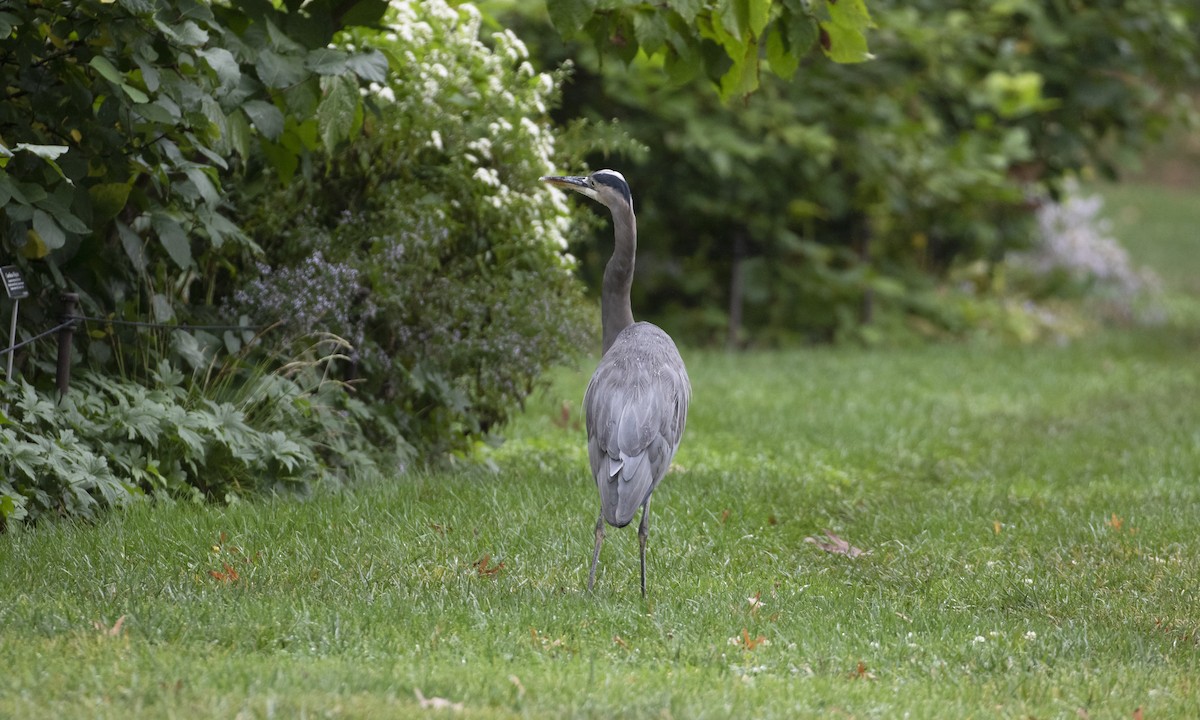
845	39
106	69
162	311
279	71
801	33
688	9
149	72
220	228
759	13
7	22
48	152
734	17
48	230
34	247
742	78
162	110
650	29
223	63
733	43
569	16
186	33
844	45
134	94
783	63
135	249
138	7
203	184
326	61
174	239
239	133
281	42
850	14
370	66
55	207
214	157
336	112
266	118
108	199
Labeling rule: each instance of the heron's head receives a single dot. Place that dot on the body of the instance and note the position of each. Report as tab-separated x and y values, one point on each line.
607	187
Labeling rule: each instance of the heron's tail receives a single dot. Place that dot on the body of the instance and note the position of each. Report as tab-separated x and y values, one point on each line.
630	481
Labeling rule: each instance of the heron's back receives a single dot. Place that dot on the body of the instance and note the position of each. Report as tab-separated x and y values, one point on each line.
636	408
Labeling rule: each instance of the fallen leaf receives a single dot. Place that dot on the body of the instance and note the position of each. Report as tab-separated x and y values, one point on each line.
861	672
485	567
229	575
517	682
436	703
1114	522
617	640
836	545
756	603
724	516
1137	714
748	643
997	526
113	631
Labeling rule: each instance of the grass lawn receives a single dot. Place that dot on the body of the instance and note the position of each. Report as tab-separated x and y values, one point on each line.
1030	519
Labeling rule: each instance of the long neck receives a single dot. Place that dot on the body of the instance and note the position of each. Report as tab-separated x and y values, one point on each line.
615	311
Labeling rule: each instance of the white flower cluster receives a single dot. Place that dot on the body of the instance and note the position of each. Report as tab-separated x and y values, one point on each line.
1074	238
482	106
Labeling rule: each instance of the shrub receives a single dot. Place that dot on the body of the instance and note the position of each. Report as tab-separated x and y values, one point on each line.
430	243
108	443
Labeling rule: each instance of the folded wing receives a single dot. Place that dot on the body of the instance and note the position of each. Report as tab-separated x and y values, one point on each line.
636	409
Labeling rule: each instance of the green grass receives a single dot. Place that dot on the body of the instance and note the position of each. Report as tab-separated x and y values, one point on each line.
1030	516
1160	226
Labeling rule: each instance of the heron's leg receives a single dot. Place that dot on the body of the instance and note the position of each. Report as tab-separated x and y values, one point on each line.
596	551
643	533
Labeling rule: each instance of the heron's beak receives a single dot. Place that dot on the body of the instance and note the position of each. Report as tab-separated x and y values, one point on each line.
570	182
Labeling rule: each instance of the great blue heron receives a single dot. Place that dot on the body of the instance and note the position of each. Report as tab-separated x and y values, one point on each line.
636	403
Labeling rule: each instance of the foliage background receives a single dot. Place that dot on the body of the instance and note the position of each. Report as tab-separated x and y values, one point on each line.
861	201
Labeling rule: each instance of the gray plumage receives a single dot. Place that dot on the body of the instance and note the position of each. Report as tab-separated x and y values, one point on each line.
636	403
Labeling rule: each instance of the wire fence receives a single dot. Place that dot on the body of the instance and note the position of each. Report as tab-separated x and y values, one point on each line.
70	319
13	348
165	326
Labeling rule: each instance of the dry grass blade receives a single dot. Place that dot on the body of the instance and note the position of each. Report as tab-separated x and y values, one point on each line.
436	703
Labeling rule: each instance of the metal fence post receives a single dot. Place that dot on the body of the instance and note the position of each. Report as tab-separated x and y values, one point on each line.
70	306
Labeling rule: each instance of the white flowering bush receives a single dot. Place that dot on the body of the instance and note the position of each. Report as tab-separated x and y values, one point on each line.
1074	252
430	244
